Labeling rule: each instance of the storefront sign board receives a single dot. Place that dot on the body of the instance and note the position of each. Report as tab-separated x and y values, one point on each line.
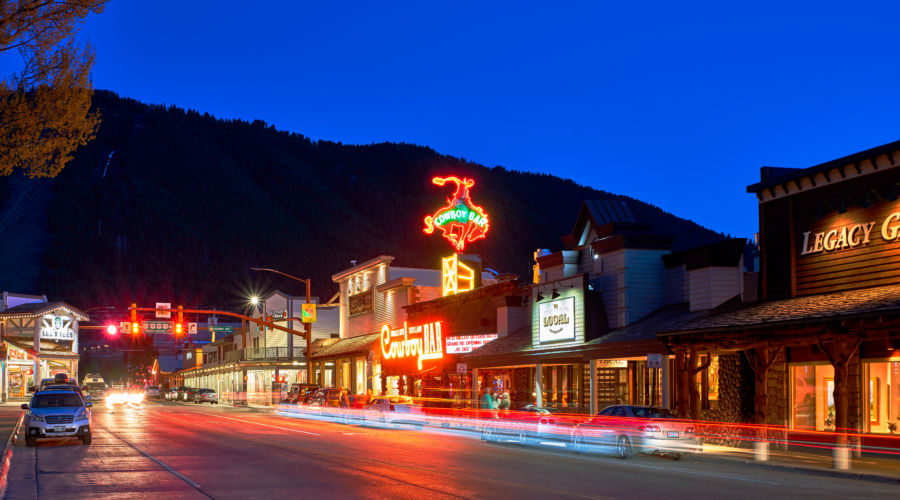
419	342
460	220
612	363
557	320
57	328
468	343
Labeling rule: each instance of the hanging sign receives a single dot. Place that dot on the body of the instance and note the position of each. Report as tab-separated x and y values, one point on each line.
460	220
557	320
420	341
308	313
57	328
163	310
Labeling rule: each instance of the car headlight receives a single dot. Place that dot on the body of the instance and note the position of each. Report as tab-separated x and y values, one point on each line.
36	418
82	415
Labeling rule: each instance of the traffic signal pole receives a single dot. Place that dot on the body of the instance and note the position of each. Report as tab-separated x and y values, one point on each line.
307	333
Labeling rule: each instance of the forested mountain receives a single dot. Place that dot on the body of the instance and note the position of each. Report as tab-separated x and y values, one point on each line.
174	205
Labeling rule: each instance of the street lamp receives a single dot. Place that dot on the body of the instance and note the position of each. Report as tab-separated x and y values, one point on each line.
307	326
255	301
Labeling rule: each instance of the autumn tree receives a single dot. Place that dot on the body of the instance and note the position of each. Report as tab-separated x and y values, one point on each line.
45	105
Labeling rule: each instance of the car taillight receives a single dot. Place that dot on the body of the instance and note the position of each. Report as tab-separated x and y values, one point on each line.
649	428
689	430
392	407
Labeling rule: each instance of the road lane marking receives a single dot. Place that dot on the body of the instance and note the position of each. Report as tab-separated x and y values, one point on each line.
158	461
257	423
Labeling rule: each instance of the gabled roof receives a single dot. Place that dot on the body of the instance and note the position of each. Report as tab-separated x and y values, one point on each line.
33	309
385	259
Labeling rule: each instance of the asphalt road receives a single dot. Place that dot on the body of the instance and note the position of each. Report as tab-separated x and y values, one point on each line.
175	450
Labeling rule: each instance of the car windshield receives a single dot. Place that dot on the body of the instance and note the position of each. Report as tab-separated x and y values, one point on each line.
56	400
643	412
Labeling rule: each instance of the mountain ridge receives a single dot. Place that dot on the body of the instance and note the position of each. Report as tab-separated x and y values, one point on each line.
168	204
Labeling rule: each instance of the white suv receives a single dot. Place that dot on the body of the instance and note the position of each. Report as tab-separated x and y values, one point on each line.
56	414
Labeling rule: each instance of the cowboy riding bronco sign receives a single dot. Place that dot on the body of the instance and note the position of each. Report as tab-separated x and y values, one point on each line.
460	221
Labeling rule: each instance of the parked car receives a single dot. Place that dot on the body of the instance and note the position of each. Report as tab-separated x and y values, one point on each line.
394	410
189	393
152	391
56	414
182	393
172	394
205	396
300	393
646	429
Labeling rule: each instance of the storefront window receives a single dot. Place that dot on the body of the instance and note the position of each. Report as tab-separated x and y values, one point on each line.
561	386
882	389
812	400
376	377
360	382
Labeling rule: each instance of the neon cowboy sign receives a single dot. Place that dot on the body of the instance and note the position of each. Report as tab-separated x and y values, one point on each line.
460	220
421	341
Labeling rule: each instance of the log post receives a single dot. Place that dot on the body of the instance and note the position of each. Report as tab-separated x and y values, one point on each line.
694	368
760	360
682	384
843	349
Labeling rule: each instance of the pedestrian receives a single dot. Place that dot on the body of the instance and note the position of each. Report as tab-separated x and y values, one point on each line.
369	396
345	400
487	402
504	402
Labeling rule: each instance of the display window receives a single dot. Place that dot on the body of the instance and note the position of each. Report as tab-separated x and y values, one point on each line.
882	399
812	399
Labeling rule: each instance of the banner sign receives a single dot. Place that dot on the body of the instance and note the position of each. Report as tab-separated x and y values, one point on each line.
163	310
308	313
468	343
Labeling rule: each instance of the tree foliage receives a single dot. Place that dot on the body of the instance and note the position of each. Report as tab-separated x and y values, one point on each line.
45	106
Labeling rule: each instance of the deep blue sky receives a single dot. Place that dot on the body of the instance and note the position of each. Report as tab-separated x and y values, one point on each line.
675	103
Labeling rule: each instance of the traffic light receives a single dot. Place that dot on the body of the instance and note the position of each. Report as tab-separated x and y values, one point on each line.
179	322
135	326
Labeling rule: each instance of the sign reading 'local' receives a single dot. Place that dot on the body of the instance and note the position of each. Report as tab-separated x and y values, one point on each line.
557	320
421	342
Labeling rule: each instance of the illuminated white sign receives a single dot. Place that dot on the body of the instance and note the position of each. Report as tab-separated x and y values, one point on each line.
557	320
612	363
468	343
57	328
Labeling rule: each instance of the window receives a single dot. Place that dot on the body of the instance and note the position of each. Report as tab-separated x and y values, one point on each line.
619	411
607	412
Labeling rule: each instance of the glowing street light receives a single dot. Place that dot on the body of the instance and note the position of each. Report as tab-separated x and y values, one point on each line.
112	329
254	300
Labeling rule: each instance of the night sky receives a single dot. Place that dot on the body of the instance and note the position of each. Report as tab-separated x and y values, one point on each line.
675	103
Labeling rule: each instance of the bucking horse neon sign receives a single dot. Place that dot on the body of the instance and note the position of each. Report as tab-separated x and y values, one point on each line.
460	221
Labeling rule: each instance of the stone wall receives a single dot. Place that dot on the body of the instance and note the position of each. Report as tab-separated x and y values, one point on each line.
778	387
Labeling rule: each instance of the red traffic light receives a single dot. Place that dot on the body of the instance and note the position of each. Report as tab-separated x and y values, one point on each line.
112	330
135	328
179	329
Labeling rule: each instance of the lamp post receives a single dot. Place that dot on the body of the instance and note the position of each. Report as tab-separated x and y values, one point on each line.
307	326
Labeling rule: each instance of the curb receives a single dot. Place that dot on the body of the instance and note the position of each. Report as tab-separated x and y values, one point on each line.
862	476
7	456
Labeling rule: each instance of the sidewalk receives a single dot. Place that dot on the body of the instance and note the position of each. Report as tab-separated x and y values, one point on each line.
9	415
872	467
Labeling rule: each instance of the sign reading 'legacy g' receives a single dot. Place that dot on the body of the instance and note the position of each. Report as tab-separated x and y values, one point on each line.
850	236
557	320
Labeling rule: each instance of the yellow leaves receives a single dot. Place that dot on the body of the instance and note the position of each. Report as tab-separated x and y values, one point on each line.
45	106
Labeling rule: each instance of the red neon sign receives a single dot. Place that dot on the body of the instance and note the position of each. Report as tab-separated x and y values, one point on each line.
460	221
420	341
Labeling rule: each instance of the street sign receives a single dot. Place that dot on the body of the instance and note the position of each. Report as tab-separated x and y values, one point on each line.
125	326
152	327
163	310
461	367
308	313
220	329
654	360
192	328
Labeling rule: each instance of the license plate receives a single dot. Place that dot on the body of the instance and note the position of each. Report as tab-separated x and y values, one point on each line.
672	434
59	428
